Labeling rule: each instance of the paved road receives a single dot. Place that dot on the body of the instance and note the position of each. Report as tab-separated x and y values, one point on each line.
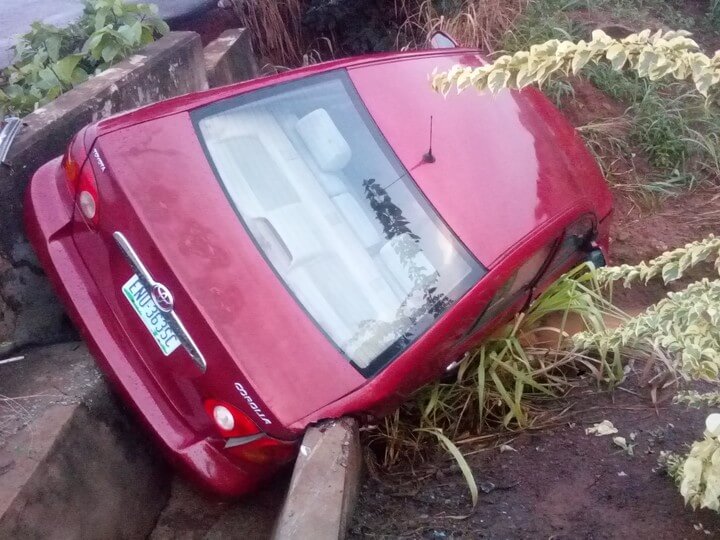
16	16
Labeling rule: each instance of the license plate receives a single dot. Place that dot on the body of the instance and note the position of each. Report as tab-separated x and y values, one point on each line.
154	319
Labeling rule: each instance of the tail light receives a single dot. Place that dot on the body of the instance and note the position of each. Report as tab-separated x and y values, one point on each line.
229	421
245	442
263	451
81	180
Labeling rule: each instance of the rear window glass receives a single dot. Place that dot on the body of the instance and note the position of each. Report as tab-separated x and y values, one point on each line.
336	215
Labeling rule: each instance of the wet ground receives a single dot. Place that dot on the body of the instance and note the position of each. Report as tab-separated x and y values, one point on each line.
191	514
556	482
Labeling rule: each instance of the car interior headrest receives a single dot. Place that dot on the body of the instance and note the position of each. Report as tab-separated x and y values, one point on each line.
324	140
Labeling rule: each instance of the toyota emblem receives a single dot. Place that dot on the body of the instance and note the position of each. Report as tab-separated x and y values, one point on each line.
162	297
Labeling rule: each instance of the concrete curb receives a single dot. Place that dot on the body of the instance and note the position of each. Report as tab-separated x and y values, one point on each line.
325	483
77	466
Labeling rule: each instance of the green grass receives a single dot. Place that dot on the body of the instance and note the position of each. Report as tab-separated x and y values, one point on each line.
625	87
669	126
542	20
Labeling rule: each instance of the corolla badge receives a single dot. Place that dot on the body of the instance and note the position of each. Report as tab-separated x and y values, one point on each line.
257	410
162	297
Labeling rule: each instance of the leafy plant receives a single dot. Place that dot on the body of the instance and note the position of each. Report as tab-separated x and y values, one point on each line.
695	399
651	56
669	266
49	61
684	327
698	473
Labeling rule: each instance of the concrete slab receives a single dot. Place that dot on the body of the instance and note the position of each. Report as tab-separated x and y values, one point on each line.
230	58
325	482
72	463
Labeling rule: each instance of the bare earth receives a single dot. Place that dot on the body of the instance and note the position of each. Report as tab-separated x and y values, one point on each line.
558	483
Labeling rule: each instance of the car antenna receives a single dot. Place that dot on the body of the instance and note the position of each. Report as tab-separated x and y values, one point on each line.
428	157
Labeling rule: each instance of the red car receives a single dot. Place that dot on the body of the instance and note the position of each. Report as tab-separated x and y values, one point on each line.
246	261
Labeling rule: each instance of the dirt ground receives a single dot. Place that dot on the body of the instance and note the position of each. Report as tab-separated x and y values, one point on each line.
557	482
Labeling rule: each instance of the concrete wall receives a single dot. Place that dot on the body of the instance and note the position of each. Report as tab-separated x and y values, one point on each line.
230	58
174	65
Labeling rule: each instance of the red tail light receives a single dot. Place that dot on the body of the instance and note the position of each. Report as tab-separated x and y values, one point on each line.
229	421
246	443
81	181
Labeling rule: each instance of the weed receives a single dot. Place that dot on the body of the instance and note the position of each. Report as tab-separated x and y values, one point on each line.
495	382
658	128
474	23
695	399
607	140
559	91
275	27
542	20
625	87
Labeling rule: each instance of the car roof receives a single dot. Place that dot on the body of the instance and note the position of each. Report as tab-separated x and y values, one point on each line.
195	100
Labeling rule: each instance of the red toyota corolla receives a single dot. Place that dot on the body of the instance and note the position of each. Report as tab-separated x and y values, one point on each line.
249	260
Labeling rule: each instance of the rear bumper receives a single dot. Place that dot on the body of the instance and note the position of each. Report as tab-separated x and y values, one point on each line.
48	215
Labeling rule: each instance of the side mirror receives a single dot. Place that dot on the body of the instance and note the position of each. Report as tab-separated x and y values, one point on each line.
441	40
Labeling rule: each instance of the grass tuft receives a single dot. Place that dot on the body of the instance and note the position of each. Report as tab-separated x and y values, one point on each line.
499	383
473	23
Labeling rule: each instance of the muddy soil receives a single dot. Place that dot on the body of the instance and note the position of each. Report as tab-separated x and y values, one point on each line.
556	482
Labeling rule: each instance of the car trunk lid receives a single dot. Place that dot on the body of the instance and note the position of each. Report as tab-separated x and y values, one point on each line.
159	192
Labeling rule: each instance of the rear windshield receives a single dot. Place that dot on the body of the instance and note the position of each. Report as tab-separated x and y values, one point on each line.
336	215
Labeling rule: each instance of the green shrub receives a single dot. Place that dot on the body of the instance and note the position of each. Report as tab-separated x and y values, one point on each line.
49	61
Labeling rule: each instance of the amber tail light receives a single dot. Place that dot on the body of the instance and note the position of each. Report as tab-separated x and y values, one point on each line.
81	183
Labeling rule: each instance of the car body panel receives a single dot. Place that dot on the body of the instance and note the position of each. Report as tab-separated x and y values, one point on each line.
48	222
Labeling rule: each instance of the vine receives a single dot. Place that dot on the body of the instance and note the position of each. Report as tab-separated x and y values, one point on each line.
651	55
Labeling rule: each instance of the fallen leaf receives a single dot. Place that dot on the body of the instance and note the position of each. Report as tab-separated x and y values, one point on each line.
605	427
622	443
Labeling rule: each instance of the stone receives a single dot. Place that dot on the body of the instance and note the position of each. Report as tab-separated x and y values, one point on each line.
230	58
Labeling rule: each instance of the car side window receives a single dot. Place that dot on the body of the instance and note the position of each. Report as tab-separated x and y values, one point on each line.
515	288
